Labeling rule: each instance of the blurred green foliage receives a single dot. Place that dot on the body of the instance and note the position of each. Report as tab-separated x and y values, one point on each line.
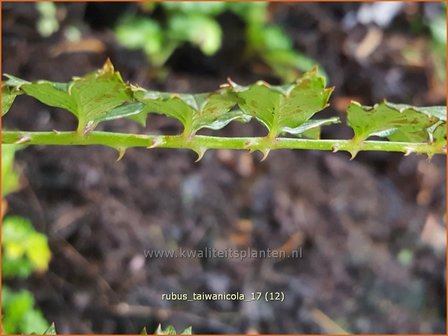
24	250
20	316
47	23
437	27
10	178
197	24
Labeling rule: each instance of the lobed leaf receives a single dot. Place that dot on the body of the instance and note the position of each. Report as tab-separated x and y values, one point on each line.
96	97
285	109
397	122
103	95
195	111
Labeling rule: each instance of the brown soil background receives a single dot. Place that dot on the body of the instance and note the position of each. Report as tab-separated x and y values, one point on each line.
352	218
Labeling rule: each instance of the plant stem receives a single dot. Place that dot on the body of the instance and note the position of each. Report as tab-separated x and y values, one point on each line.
200	143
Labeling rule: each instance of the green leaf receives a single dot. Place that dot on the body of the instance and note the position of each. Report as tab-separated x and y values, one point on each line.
35	322
170	330
192	7
287	64
7	296
199	30
51	93
187	331
10	178
253	13
439	133
48	23
23	246
19	314
140	33
14	313
20	268
311	128
8	96
284	109
126	110
437	27
274	38
96	97
146	34
51	330
194	111
38	251
397	122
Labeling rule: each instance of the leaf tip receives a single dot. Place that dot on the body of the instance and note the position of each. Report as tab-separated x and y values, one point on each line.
313	71
108	67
